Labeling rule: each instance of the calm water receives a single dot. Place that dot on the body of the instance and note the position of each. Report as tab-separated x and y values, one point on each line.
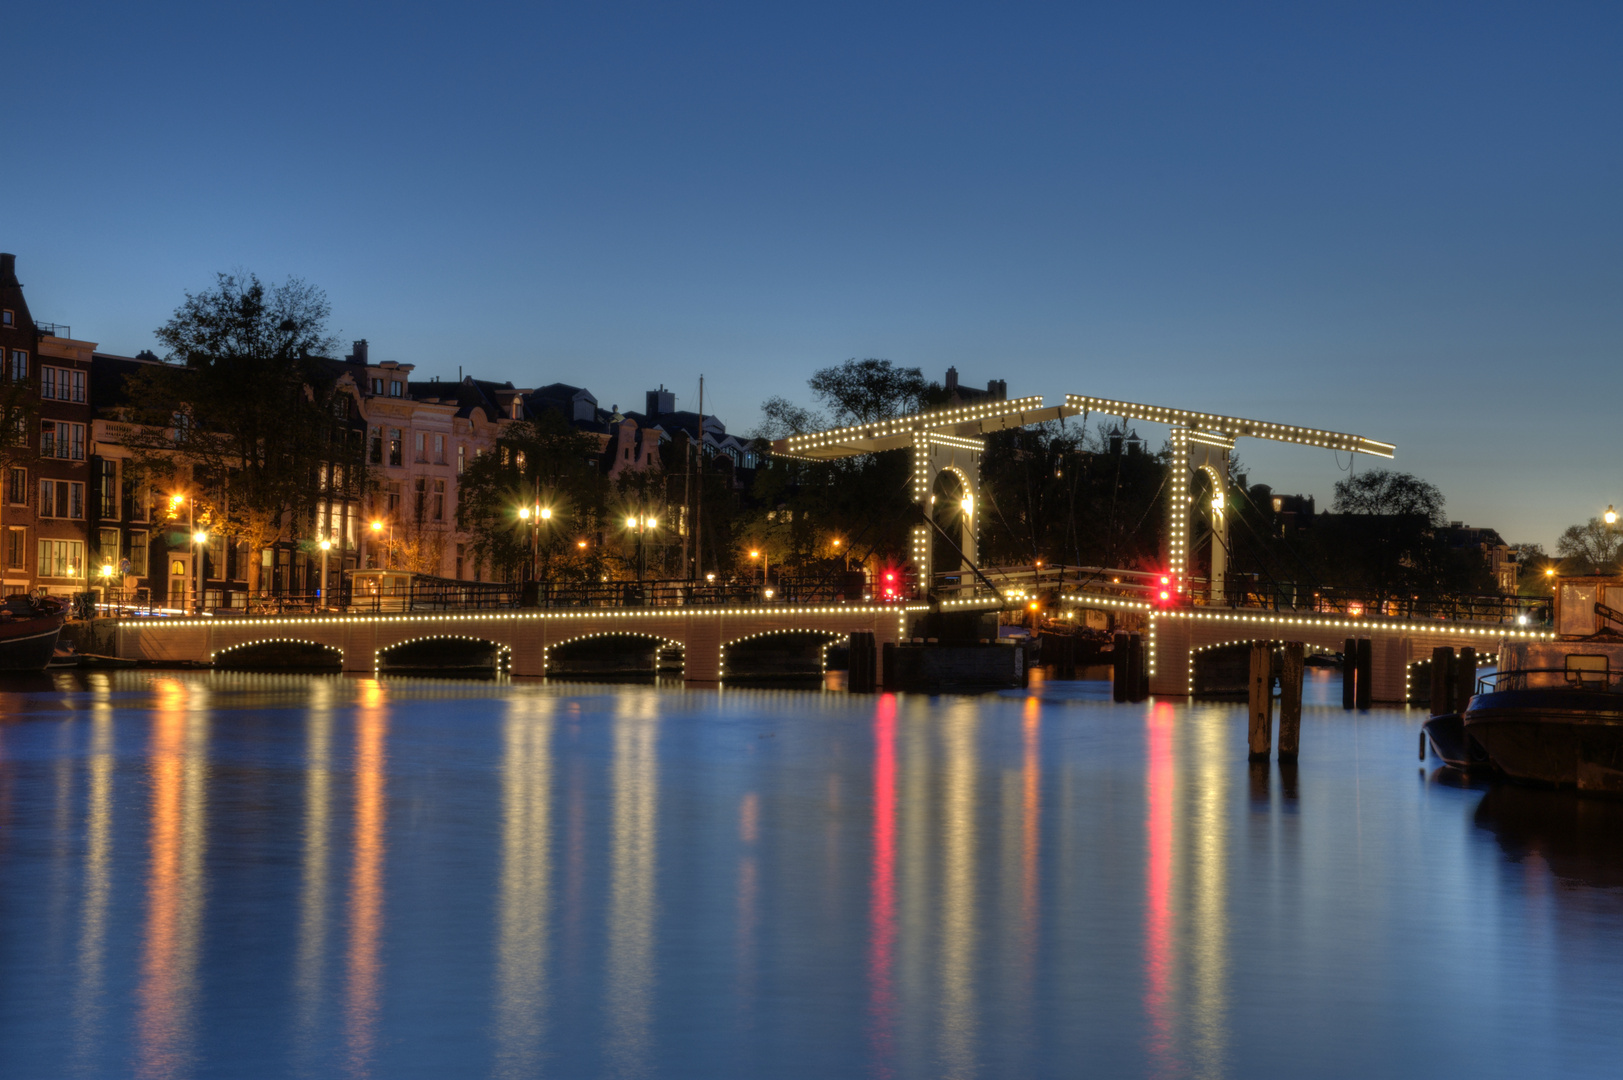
244	876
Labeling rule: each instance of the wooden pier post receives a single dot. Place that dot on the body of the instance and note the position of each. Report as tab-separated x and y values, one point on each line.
1290	699
1464	679
1349	673
860	674
1118	667
1366	672
1442	680
1135	667
1261	687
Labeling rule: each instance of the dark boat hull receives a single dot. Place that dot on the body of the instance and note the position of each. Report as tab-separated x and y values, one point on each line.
1449	741
1556	736
29	647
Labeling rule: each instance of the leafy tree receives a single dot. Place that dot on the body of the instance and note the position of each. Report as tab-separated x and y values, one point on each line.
862	391
246	406
1383	536
781	418
1591	548
543	459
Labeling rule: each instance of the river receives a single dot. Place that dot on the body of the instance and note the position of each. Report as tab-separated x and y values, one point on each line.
238	875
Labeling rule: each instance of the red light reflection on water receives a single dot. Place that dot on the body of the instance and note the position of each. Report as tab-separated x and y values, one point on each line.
882	902
1159	784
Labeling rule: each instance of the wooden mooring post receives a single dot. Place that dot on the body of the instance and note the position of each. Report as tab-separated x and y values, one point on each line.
1442	680
1366	672
1291	671
1464	679
1349	673
1261	686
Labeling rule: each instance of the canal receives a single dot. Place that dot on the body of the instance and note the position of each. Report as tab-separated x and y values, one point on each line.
240	875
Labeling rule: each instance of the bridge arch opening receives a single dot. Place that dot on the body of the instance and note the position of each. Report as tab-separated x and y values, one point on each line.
615	655
445	655
279	654
783	655
952	509
1223	669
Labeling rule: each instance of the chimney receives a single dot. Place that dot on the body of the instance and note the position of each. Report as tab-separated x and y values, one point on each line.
8	268
358	355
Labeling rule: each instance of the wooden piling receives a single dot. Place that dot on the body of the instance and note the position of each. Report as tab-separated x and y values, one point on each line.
1261	687
1442	680
1349	673
1135	666
888	673
1290	699
1464	679
860	673
1366	672
1118	667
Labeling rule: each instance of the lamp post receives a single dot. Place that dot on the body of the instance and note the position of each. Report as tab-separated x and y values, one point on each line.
199	538
638	526
1611	515
388	547
321	593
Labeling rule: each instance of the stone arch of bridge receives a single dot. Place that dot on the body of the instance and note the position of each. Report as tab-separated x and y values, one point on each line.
243	651
502	653
829	639
656	640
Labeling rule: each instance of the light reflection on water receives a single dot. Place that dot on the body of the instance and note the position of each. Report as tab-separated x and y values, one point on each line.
238	875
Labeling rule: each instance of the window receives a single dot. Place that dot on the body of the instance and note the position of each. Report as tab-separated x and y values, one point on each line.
394	446
59	439
8	317
19	434
108	485
135	499
107	547
377	386
19	365
16	544
17	487
461	459
396	388
61	499
420	499
61	558
439	449
61	384
439	500
518	408
393	499
138	554
375	437
420	438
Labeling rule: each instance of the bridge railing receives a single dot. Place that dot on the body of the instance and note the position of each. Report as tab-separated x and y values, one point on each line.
1355	603
440	595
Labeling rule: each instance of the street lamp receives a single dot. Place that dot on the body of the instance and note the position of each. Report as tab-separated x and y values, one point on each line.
1611	515
321	593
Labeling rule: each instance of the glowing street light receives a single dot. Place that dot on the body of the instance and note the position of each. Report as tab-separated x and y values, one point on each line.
1611	515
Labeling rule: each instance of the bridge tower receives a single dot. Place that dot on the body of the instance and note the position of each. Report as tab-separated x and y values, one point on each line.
946	446
1202	442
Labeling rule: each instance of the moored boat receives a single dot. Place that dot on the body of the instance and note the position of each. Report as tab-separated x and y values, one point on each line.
1553	712
29	629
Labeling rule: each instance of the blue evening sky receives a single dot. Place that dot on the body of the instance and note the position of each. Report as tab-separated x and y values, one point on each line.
1397	220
